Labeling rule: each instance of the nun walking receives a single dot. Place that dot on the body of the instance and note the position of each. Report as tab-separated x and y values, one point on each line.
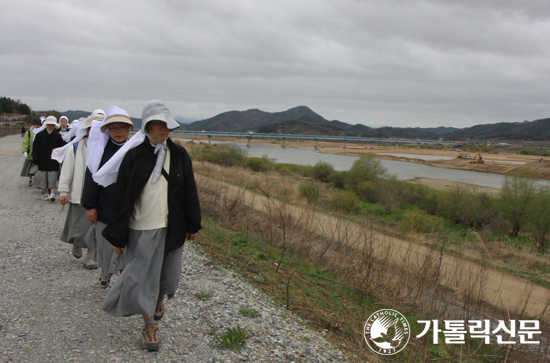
48	169
106	139
71	183
30	168
156	210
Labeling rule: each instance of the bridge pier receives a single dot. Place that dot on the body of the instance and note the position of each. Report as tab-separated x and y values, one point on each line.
209	139
345	144
284	143
249	141
316	144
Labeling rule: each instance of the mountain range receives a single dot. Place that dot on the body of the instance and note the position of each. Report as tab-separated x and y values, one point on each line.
303	120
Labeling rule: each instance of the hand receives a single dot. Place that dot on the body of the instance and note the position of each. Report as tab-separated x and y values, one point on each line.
91	214
25	154
192	236
63	199
118	250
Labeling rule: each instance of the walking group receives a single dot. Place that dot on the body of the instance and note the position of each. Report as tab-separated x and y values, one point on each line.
132	202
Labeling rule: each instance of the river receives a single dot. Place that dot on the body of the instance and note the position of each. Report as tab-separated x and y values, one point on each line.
403	170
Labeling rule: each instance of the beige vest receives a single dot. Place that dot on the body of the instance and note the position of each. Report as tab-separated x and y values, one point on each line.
151	208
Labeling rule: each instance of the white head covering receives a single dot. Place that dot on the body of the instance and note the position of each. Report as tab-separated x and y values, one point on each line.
59	153
50	120
105	176
98	139
37	130
156	110
153	110
66	119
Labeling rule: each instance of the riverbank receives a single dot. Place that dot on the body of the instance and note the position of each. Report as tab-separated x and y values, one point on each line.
503	163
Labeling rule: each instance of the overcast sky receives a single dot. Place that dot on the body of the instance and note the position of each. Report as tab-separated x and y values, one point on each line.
402	63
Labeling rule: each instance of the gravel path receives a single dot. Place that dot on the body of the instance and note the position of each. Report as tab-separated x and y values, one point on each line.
50	305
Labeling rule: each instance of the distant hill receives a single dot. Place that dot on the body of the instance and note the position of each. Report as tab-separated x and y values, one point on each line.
303	120
252	119
538	130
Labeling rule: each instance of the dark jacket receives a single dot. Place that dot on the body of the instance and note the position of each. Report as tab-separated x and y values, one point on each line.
95	196
184	214
42	148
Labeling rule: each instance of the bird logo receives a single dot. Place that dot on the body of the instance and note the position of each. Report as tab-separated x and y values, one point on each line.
387	332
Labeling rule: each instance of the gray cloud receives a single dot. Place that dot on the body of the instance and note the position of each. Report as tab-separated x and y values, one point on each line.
400	63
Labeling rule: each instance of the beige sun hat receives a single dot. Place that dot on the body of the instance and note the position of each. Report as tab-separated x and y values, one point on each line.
91	118
116	114
50	120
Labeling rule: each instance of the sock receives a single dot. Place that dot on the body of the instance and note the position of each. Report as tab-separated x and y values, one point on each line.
148	320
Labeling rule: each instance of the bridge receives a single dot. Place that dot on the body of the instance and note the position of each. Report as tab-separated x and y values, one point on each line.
316	138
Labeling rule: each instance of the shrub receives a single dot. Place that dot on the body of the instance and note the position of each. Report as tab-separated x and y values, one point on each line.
534	152
322	171
226	155
420	222
366	168
345	201
366	191
488	149
310	191
338	180
259	164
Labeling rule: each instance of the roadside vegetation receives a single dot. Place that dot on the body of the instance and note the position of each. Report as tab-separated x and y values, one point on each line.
336	277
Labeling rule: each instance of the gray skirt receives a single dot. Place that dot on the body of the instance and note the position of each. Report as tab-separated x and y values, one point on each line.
27	168
150	273
102	250
76	226
46	179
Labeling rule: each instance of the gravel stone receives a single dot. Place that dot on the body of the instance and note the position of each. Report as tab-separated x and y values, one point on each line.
50	304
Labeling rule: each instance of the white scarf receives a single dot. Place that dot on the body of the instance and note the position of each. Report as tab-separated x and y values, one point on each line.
36	131
59	153
96	145
109	171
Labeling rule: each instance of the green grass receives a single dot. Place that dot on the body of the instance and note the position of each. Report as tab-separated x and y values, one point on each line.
249	312
203	295
233	339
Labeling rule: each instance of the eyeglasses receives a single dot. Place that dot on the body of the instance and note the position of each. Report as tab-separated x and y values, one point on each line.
118	128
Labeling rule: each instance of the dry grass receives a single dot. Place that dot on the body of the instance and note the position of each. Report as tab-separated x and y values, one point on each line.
371	265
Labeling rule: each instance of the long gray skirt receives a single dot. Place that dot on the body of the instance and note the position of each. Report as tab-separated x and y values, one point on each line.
46	179
76	226
26	169
102	250
150	273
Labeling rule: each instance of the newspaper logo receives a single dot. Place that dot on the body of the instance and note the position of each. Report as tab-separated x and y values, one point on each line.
387	332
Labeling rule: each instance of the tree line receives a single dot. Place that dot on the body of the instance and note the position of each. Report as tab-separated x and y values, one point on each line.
8	105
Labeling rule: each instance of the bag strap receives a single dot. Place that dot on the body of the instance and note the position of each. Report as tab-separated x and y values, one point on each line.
29	142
